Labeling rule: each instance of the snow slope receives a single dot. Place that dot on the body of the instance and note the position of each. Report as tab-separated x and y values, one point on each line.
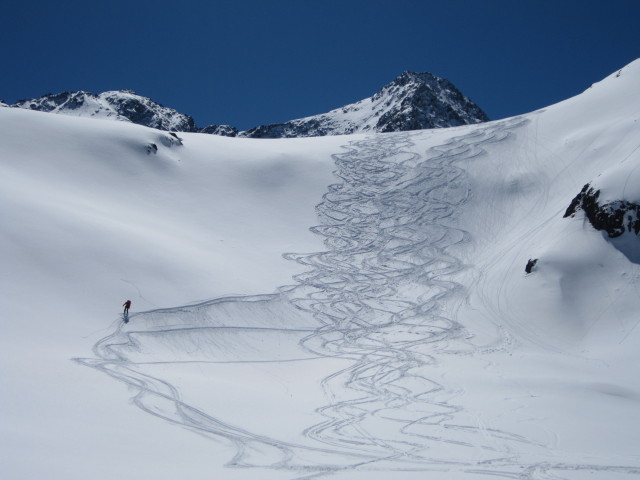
90	218
410	342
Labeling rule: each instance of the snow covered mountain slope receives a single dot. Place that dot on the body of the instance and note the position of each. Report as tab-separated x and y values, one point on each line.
413	101
122	105
91	216
411	343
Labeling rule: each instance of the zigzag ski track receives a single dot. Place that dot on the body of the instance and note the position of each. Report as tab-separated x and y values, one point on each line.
374	298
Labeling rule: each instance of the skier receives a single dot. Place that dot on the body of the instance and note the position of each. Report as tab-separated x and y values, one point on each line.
126	306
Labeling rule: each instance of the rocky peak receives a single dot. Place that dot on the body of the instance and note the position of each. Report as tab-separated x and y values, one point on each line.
78	103
413	101
144	111
412	79
222	130
422	100
124	105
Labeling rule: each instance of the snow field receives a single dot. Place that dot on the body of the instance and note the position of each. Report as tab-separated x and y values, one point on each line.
409	341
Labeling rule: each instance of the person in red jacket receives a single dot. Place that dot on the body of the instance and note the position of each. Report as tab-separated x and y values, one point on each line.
126	306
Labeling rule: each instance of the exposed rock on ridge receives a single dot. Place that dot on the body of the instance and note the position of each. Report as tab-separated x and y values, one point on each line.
413	101
122	105
615	218
222	130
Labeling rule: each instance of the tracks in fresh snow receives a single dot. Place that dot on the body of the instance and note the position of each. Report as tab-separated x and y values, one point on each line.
378	290
382	292
127	354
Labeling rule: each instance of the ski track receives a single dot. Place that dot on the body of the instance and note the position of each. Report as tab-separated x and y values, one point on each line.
377	291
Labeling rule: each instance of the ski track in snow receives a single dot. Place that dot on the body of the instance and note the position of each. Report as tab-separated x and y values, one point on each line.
377	291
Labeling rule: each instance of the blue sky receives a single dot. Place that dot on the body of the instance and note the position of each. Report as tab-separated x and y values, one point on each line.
250	62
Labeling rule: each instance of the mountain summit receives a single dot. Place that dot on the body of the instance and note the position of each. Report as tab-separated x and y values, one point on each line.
123	105
413	101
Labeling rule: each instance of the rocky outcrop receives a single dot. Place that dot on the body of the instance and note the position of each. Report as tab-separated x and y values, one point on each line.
615	217
123	105
530	265
222	130
144	111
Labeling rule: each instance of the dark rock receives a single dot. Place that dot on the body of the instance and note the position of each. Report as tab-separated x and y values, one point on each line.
222	130
174	135
144	111
413	101
120	105
50	101
171	140
530	264
615	217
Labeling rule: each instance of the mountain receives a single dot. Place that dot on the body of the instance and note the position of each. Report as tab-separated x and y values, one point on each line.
122	105
330	307
413	101
222	130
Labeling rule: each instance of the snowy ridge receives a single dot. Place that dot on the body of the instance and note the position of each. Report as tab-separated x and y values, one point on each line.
413	101
81	104
123	105
222	130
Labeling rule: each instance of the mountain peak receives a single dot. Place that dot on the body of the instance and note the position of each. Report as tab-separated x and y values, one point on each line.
409	75
123	105
413	101
126	90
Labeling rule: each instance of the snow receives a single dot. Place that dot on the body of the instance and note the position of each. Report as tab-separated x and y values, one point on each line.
402	338
80	104
121	105
412	101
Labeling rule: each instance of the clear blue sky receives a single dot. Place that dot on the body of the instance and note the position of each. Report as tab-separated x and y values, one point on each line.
250	62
